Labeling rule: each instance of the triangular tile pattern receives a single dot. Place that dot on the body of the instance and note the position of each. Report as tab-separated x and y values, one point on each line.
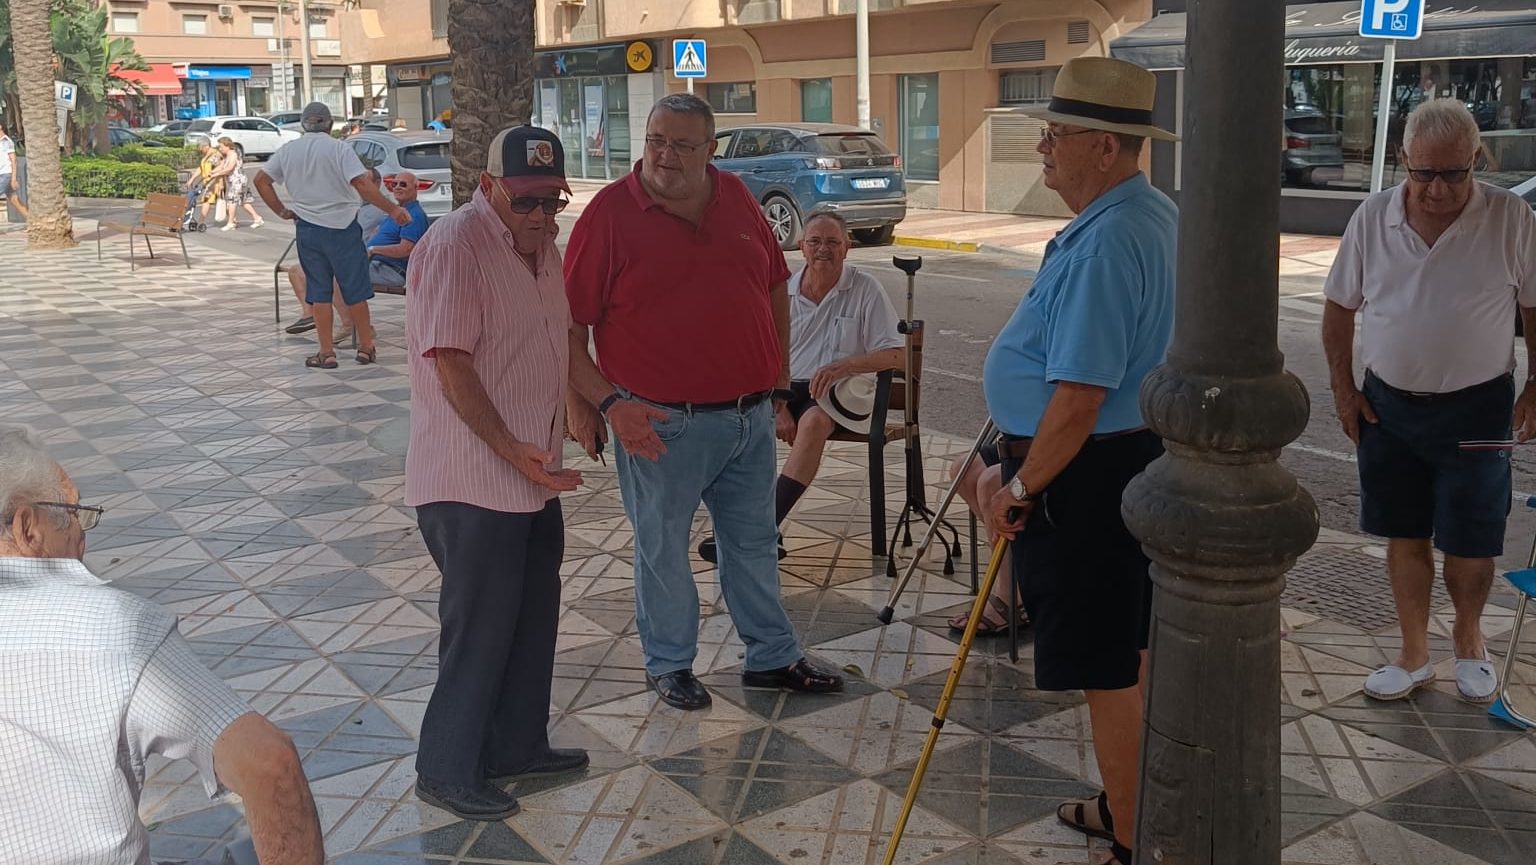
261	503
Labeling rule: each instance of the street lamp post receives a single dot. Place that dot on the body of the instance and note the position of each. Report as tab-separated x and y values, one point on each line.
1220	518
309	84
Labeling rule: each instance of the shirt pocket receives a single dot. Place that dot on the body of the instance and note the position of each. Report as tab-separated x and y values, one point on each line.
846	328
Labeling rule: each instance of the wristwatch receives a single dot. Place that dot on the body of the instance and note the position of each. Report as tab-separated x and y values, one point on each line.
1018	490
602	407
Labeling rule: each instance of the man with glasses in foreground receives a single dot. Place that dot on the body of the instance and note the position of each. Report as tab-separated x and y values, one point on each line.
1436	269
486	322
94	680
676	269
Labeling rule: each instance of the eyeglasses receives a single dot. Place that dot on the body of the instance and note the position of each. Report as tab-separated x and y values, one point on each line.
88	516
401	184
523	204
681	148
1049	135
1450	175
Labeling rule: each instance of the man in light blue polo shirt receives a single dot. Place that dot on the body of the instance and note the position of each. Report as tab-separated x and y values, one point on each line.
1062	383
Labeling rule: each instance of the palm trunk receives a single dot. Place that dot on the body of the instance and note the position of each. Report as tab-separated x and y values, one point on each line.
492	46
49	226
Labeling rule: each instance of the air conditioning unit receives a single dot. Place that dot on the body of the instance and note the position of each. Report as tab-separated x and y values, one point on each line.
226	11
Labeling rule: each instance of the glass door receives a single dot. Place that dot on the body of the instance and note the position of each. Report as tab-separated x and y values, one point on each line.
816	100
920	126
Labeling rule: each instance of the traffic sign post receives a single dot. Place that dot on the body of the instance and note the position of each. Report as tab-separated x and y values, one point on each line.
690	60
1390	20
65	98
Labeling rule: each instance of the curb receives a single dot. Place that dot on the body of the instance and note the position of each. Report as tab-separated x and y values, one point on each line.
937	243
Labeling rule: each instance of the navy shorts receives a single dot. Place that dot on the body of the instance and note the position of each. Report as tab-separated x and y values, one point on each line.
1082	577
1414	480
800	400
338	254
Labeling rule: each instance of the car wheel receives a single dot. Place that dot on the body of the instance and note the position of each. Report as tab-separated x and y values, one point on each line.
784	220
875	236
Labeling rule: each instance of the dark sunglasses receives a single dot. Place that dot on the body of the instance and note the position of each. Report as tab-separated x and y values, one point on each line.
1449	175
401	184
88	515
529	203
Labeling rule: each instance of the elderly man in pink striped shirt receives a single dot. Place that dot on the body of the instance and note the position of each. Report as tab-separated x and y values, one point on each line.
486	322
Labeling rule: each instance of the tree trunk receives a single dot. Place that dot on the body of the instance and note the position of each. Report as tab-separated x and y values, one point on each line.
492	46
49	226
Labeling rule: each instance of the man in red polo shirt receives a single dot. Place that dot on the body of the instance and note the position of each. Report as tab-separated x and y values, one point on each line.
676	270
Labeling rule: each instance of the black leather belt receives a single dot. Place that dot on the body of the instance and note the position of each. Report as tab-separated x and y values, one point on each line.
741	403
1421	396
1017	447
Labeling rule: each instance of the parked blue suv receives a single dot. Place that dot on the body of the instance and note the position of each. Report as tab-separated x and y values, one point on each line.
795	169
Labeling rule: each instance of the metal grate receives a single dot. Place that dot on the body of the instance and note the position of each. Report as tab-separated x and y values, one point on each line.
1014	137
1018	52
1347	587
1077	32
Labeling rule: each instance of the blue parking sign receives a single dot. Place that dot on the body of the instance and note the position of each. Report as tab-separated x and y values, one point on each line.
1392	19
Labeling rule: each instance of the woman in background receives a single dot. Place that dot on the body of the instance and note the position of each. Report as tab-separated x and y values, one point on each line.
237	187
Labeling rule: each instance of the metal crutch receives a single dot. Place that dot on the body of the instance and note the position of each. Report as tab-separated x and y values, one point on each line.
889	611
1524	582
948	694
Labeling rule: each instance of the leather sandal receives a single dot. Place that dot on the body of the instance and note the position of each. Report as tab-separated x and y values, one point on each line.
994	619
1075	814
366	356
321	360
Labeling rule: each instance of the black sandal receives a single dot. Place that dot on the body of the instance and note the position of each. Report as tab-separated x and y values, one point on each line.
1119	854
1079	818
367	356
321	360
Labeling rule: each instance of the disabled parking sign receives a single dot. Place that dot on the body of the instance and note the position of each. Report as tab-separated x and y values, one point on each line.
1392	19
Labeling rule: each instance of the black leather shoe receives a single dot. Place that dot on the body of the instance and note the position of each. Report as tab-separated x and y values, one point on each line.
557	761
707	550
799	676
680	689
482	802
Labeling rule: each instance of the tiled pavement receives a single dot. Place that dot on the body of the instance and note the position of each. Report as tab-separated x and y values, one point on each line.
261	502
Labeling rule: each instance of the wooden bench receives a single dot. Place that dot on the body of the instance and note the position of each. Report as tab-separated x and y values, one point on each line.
162	217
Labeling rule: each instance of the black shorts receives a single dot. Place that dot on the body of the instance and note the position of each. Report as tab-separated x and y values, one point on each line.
1081	575
1414	480
800	400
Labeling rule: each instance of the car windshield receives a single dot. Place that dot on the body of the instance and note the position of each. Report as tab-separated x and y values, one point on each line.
200	126
1309	124
431	155
851	144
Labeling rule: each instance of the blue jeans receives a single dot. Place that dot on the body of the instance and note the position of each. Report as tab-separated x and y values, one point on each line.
724	459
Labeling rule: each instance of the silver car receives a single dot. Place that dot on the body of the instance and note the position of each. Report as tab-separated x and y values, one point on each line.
424	154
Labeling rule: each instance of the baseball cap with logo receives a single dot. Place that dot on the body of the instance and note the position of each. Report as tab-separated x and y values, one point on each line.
531	159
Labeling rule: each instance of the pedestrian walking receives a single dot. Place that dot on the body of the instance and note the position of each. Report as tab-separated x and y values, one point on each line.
237	187
10	189
1436	269
486	329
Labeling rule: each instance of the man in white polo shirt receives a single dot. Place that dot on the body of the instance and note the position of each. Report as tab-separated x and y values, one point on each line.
1435	268
841	325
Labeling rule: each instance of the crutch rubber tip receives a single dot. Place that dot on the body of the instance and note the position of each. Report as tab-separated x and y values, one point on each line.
886	615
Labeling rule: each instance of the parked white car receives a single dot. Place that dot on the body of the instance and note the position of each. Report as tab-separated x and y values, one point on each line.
253	136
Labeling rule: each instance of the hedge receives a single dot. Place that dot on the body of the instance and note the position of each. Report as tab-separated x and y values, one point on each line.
94	177
175	157
173	139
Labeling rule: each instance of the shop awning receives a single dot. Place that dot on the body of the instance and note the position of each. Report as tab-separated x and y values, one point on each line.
160	80
1329	33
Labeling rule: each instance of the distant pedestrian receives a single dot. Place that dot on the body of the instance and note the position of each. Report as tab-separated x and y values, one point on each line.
324	179
9	175
237	187
1437	269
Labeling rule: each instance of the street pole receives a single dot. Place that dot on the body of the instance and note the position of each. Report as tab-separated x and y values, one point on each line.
284	73
1383	109
861	54
690	86
1220	518
309	84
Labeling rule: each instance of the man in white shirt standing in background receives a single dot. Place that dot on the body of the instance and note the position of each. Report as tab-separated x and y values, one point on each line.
324	179
1435	268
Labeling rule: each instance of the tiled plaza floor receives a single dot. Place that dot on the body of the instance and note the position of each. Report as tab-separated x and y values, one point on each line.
262	503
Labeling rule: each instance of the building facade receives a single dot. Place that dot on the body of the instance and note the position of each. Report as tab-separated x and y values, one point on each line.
240	57
947	77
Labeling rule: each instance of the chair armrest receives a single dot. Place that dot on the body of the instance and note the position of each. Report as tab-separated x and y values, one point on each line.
882	407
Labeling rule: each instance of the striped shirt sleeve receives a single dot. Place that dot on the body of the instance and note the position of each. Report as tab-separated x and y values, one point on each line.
451	313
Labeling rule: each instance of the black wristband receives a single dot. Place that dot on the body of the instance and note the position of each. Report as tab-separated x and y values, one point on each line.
602	407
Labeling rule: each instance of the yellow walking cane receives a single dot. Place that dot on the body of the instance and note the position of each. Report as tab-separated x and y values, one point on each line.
942	710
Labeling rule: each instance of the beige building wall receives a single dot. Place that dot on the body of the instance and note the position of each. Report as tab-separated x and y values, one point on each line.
161	38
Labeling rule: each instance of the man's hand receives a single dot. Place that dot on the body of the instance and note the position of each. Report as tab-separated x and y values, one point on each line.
829	375
1006	515
631	420
1352	407
400	215
285	213
1525	413
532	463
585	424
784	425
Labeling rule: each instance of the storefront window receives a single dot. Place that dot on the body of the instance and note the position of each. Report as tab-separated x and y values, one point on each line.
737	98
816	100
920	126
590	115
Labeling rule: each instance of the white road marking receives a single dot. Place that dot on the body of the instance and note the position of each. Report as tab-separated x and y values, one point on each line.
959	277
949	374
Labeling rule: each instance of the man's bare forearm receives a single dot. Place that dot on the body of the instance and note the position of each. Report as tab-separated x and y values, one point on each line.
586	380
393	250
1339	345
1064	428
268	193
372	195
258	761
466	393
878	361
778	297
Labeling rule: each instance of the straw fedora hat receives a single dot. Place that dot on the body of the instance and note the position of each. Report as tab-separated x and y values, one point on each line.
850	402
1104	93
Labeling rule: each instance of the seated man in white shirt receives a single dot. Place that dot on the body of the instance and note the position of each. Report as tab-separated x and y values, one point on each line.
841	325
94	680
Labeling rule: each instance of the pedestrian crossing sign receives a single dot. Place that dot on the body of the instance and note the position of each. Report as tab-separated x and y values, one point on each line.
689	58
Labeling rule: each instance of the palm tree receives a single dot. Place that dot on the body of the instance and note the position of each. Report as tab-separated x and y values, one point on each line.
91	59
492	46
49	226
